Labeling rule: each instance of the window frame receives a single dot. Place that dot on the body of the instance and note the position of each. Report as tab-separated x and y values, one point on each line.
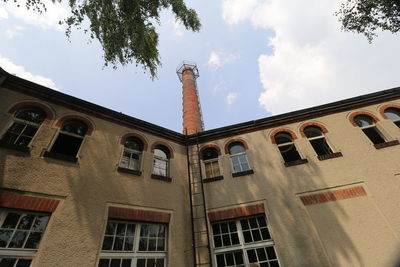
22	253
298	161
167	161
132	151
242	246
237	155
395	111
210	161
373	125
26	123
135	254
322	136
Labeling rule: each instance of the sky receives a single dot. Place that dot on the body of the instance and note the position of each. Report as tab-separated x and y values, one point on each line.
256	58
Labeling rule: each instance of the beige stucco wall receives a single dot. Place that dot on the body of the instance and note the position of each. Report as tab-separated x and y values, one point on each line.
74	234
296	230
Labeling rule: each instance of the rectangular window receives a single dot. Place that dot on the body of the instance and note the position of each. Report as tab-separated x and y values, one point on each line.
20	235
243	242
374	135
132	244
212	168
240	163
130	160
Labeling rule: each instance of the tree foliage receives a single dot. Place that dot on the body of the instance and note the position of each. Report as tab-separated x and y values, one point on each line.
125	28
368	16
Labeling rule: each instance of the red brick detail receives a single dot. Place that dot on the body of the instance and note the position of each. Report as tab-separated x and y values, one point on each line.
171	152
322	127
64	119
208	146
353	115
236	212
383	108
15	201
123	139
275	132
357	191
191	108
138	215
239	140
30	104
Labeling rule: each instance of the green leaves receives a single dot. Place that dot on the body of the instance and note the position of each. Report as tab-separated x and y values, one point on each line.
368	16
124	28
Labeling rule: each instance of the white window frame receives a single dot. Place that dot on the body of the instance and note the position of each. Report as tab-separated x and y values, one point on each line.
26	123
211	161
373	125
135	254
238	155
242	246
322	136
20	253
396	122
287	144
167	162
132	151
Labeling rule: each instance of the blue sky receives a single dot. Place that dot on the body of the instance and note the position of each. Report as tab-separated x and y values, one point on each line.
256	58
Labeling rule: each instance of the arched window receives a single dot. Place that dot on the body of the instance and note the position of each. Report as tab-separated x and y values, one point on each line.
132	154
70	138
161	161
286	146
394	115
318	141
210	161
238	157
367	125
25	125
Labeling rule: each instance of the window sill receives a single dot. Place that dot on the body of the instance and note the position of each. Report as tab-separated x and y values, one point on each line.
296	162
237	174
213	179
24	149
54	155
330	156
125	170
162	178
386	144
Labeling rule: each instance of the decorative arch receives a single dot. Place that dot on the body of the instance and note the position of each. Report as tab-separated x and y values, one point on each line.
384	107
275	132
303	126
141	138
208	146
29	104
353	115
171	152
239	140
88	123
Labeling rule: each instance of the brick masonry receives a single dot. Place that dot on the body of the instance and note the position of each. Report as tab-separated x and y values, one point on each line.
16	201
235	140
192	122
353	192
322	127
236	212
353	115
138	215
384	107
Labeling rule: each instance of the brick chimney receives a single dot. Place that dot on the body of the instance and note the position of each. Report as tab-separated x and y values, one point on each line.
192	118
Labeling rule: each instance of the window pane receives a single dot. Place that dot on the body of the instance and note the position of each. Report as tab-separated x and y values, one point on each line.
24	263
107	243
104	262
33	240
40	223
126	262
134	143
26	221
236	148
118	243
313	131
29	131
128	244
160	153
373	135
321	147
11	220
5	236
141	263
283	138
363	120
18	239
67	145
210	153
75	127
393	114
8	262
115	263
32	115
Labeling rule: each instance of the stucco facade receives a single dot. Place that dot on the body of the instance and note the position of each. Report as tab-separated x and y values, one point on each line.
339	209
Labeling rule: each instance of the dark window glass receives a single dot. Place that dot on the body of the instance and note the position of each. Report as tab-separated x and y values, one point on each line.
363	120
32	115
210	153
75	127
67	145
313	131
236	148
321	147
286	147
373	135
134	143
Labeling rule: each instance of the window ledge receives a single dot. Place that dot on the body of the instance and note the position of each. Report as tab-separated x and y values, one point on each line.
213	179
330	156
24	149
236	174
296	162
386	144
130	171
54	155
162	178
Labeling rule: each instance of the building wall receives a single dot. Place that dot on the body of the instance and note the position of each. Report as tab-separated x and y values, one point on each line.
348	232
87	188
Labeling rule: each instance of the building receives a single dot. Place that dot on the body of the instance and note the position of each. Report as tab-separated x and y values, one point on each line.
82	185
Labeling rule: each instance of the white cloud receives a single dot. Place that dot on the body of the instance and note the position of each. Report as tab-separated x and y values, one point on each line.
20	71
178	28
15	31
231	97
218	59
47	20
313	62
3	13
